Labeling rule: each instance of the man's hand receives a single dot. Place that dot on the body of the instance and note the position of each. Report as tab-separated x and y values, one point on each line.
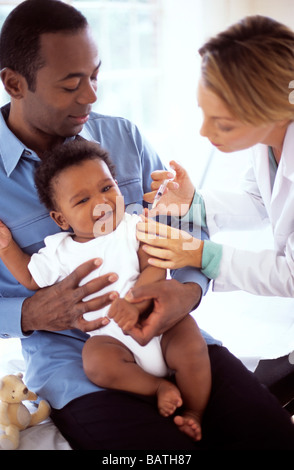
172	302
5	236
61	307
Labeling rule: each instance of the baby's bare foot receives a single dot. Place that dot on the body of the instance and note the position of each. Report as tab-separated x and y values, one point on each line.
189	423
168	398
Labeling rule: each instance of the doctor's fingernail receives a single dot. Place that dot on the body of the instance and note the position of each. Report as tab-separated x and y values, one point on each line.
129	295
113	277
113	295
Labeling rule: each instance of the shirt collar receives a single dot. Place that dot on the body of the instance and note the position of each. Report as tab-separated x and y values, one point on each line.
11	148
86	134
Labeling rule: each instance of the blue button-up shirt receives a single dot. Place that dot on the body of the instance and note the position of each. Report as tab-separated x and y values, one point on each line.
53	359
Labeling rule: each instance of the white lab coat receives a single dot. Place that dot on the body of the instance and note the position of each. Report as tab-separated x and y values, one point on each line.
266	272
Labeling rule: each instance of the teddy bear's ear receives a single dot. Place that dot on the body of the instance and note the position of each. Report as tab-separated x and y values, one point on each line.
19	375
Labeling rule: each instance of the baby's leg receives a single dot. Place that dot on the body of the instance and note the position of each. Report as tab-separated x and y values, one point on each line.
109	363
185	352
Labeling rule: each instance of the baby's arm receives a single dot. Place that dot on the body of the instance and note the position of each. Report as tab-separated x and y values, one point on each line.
15	259
125	314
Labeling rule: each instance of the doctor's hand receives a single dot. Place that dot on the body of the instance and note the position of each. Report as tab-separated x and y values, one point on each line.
61	306
172	301
169	247
178	194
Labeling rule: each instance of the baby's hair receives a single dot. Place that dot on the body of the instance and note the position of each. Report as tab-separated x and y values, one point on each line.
64	156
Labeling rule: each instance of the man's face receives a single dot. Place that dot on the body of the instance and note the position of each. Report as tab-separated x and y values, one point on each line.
65	86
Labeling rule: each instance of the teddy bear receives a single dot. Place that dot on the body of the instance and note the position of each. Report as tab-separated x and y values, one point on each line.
14	416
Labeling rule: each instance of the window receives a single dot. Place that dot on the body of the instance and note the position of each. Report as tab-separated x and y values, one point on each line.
127	33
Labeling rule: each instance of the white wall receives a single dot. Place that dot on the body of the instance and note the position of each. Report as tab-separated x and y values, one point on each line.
186	25
220	14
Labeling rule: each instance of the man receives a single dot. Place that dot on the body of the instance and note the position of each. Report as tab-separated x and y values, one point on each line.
50	66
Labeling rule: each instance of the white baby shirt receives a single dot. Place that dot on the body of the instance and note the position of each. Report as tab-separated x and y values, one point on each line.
118	250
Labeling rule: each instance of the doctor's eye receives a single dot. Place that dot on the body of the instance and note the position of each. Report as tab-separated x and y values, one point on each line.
225	128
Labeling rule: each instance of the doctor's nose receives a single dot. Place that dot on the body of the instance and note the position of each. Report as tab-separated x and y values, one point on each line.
204	129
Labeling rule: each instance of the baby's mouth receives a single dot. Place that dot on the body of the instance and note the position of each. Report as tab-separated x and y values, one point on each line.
103	224
104	216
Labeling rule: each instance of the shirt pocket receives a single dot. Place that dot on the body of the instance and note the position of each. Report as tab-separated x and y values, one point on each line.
132	191
29	234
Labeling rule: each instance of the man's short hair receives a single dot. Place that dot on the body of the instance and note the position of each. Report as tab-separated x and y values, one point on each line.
21	31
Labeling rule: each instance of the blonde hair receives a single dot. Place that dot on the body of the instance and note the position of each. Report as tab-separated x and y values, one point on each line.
250	66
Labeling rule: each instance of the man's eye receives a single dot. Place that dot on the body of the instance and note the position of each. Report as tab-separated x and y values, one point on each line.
106	188
71	90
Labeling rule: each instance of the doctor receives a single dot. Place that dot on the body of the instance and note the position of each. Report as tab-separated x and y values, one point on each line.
246	102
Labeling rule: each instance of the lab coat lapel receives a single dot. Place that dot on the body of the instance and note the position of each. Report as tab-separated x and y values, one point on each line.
262	174
283	190
287	159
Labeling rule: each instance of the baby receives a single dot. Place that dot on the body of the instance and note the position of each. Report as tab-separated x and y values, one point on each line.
76	183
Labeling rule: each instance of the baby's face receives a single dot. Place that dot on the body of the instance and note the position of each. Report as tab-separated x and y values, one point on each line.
88	199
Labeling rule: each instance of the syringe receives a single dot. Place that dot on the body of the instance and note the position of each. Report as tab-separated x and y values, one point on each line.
160	192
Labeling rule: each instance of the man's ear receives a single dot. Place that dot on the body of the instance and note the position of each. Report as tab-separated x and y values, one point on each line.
59	220
14	83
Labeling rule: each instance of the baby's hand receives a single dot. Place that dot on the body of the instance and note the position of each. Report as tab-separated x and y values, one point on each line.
5	236
126	315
